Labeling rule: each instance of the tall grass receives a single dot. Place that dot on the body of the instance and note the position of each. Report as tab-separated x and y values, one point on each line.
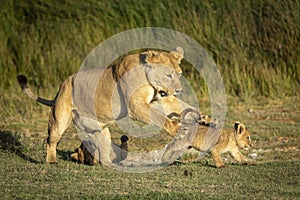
254	43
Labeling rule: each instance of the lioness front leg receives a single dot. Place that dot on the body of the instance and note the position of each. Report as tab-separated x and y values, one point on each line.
103	143
142	109
159	119
241	158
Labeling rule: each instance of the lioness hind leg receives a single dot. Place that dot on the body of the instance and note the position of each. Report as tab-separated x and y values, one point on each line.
60	118
55	130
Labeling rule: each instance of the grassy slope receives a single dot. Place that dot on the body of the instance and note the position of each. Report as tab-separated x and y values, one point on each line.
255	44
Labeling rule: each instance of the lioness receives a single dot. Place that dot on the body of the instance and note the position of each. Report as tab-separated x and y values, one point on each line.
149	72
89	155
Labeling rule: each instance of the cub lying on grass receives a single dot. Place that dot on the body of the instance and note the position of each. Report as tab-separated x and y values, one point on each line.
229	140
88	154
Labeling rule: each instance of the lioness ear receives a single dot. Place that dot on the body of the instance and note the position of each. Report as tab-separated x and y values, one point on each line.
178	53
154	57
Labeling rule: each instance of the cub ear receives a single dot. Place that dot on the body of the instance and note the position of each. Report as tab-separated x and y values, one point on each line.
236	126
242	128
80	155
178	53
74	156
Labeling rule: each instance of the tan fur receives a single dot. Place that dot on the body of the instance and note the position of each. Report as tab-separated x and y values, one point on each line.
173	107
230	140
89	157
169	59
137	98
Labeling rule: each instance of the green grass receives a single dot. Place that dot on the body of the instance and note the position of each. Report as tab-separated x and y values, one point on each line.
274	124
255	45
67	180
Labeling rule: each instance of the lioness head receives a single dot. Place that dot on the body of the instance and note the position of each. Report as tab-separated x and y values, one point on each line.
163	78
242	135
171	59
163	71
162	68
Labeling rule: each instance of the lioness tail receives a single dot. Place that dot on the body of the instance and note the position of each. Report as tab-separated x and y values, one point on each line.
25	87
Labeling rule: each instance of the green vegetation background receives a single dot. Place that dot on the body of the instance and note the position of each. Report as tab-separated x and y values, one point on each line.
255	44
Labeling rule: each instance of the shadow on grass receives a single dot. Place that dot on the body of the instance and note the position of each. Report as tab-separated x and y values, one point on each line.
11	142
178	163
65	155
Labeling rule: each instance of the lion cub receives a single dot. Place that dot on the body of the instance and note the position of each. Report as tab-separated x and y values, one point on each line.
91	156
229	140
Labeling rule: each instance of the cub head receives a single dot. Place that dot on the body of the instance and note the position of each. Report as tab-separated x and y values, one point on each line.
83	155
242	135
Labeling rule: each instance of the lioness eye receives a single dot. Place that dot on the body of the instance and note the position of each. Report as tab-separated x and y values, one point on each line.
169	76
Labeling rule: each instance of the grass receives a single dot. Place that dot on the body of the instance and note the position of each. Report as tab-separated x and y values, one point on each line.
274	124
255	45
69	181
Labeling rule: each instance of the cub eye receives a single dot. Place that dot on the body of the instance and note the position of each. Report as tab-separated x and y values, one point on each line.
163	93
248	138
